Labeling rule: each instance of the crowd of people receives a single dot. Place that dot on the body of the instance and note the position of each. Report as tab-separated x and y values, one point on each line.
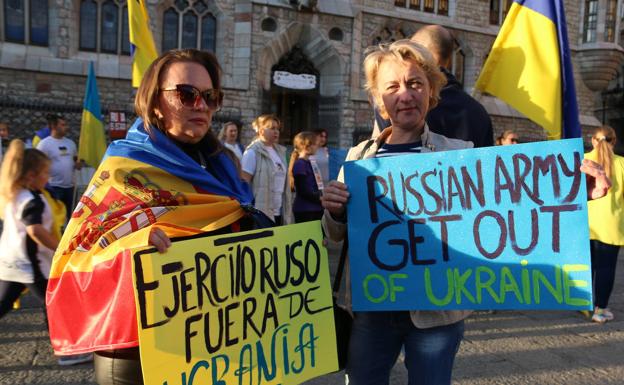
419	107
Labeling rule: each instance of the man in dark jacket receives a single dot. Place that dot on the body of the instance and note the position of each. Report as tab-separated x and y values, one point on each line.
457	115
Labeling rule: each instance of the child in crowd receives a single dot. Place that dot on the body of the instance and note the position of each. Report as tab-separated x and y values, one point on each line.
305	178
27	242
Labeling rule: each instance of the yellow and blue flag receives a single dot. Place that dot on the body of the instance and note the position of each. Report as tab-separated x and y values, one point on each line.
142	45
529	67
144	181
92	142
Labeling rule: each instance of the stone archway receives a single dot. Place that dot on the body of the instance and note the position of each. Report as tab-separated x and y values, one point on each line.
324	58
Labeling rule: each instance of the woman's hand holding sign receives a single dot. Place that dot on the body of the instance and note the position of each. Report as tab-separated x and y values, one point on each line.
334	199
159	240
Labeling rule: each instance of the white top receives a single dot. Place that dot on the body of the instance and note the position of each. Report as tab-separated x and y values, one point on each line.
18	249
322	159
62	153
248	164
235	149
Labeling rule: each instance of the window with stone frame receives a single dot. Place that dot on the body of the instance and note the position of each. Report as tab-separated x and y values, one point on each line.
389	35
104	26
458	62
439	7
498	11
610	21
189	24
25	22
590	21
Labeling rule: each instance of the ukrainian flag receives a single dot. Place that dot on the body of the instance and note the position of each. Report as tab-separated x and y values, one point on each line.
141	40
92	142
529	67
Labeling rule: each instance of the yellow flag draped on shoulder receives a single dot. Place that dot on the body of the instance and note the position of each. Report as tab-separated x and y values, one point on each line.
529	67
141	40
145	181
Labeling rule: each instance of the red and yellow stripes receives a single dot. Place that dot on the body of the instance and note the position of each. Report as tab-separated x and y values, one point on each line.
90	300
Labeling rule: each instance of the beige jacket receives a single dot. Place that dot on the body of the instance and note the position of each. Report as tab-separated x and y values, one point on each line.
336	230
262	181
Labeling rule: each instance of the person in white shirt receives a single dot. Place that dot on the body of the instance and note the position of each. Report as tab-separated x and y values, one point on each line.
62	153
264	167
229	137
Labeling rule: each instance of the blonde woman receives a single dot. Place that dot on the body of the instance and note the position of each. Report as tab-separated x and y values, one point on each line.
606	222
264	167
405	82
229	137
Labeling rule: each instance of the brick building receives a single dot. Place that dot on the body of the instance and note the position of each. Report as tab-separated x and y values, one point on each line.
46	46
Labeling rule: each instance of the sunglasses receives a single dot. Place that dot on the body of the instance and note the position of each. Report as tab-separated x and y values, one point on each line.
189	96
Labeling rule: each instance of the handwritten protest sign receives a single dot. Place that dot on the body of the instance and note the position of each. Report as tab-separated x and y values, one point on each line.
494	228
246	308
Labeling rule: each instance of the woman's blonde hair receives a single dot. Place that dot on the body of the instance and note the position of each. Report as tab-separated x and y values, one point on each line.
17	164
301	142
221	135
263	121
605	141
402	51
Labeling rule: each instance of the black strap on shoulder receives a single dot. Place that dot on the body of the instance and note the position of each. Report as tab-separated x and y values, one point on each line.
366	147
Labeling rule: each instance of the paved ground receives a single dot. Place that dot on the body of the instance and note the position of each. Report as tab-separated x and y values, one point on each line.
501	348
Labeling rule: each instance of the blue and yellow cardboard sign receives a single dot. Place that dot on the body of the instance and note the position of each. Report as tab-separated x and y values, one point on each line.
246	308
492	228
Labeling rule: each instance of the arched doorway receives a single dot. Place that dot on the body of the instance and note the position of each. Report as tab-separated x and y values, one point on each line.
294	94
302	50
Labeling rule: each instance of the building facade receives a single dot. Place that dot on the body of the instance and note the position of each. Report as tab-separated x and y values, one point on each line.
299	59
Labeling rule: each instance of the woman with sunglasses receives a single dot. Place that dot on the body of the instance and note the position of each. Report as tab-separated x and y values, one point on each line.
265	168
170	177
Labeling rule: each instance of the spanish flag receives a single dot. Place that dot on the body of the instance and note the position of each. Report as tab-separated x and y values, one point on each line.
92	142
141	40
529	67
145	181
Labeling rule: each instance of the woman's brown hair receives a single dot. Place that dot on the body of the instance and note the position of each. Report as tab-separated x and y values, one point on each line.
146	100
503	136
302	141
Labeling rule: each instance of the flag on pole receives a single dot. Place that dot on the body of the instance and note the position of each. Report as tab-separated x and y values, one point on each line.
529	67
92	142
141	41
